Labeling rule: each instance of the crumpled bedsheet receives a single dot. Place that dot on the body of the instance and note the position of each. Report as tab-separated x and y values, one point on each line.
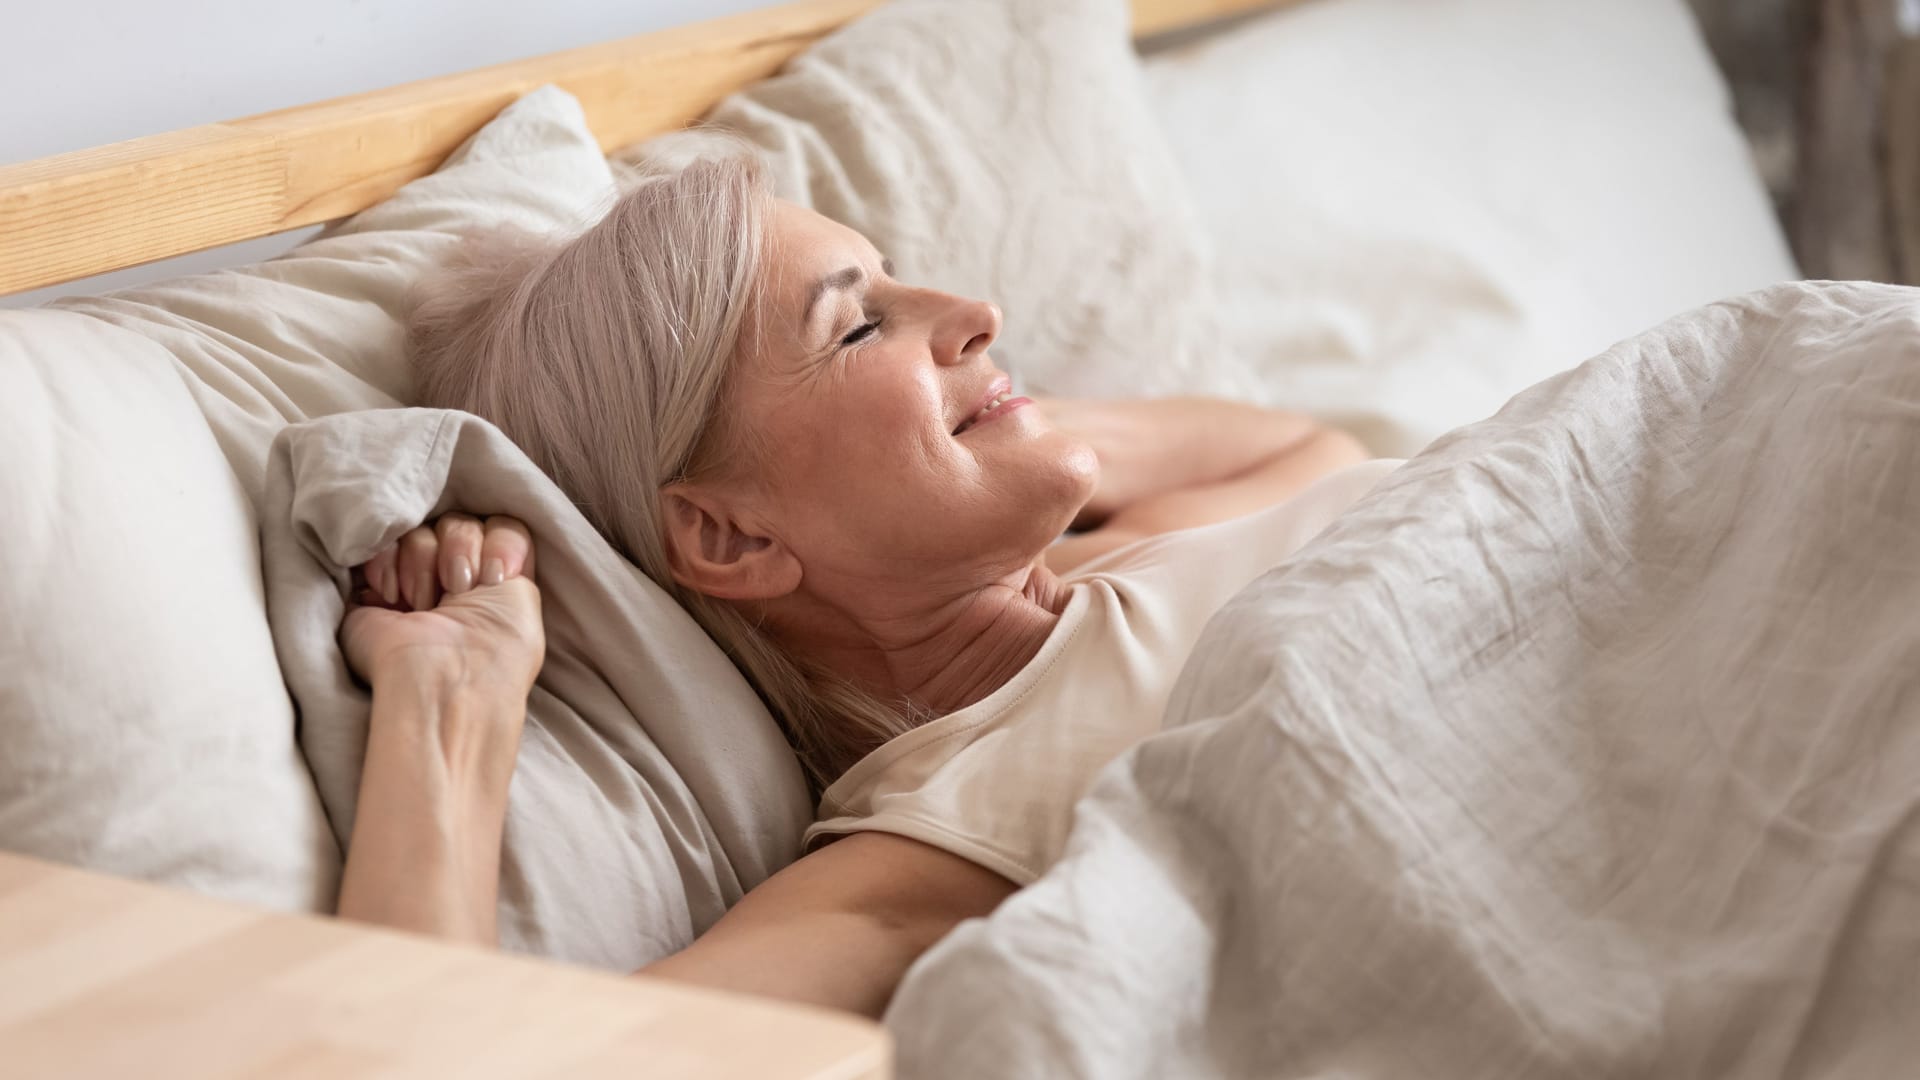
1588	745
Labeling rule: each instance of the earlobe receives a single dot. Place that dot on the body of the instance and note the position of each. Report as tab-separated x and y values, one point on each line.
712	551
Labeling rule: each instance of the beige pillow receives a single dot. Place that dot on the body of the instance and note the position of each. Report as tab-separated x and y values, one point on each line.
652	788
144	729
144	725
322	329
1001	149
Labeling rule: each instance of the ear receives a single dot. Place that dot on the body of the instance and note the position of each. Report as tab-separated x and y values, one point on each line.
714	552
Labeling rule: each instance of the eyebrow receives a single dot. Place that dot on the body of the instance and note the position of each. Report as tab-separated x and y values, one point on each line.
844	278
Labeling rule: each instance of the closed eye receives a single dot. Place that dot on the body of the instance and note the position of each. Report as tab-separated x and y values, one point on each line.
860	333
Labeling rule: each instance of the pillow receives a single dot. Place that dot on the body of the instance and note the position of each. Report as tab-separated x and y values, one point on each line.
144	729
624	840
144	725
1420	207
322	329
999	149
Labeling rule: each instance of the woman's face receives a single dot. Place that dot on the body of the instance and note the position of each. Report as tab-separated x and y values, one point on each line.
875	449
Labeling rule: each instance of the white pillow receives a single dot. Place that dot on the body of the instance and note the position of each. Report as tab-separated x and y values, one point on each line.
144	729
144	725
1420	207
652	788
322	329
1005	150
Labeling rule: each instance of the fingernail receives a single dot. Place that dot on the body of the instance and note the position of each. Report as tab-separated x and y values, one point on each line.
462	575
493	573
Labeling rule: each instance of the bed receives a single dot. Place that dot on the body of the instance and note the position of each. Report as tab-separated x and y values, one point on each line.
1570	306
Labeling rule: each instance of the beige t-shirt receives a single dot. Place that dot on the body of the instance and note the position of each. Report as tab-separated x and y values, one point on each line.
996	782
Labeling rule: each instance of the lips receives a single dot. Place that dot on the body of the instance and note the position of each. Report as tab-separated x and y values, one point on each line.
997	394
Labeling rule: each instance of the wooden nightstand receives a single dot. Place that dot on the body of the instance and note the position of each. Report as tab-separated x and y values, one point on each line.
111	978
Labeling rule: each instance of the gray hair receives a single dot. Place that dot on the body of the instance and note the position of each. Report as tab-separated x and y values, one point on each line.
606	358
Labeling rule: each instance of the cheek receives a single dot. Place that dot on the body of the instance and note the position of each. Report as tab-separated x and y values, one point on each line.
870	437
862	468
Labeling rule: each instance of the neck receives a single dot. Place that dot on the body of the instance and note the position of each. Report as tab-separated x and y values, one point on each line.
941	654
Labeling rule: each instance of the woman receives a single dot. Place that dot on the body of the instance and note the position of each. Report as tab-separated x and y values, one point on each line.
825	467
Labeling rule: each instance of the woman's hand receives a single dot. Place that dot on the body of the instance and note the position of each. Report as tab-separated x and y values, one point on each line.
446	628
455	599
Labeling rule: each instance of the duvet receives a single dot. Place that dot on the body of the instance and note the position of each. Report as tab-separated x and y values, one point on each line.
1587	745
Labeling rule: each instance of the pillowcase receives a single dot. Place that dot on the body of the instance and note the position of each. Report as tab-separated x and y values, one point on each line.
322	329
652	788
144	729
144	725
1004	150
1420	207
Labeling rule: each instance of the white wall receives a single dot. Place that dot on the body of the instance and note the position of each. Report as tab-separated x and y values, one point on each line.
79	73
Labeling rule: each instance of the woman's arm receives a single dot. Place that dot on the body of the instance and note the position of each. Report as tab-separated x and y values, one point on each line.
840	927
447	632
451	661
425	851
1155	446
1296	452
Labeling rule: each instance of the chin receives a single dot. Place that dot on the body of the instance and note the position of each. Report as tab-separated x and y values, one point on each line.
1075	475
1083	468
1039	493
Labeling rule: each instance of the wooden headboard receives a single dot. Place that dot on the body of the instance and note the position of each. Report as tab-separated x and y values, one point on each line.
87	212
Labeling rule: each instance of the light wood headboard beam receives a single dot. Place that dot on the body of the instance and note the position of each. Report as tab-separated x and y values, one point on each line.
1152	17
91	211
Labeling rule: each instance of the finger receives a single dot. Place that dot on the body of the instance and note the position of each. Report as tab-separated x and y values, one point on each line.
506	551
459	536
380	575
419	570
358	635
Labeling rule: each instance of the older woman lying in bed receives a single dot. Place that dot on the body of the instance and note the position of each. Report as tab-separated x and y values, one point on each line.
825	467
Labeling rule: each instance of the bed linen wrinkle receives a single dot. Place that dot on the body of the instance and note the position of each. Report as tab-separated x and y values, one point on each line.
626	832
1584	746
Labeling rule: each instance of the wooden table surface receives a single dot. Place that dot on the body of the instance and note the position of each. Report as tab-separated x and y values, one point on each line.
101	977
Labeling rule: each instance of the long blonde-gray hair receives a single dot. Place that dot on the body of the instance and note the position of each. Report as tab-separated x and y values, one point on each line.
606	358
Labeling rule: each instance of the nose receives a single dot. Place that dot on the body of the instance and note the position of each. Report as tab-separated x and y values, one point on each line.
964	329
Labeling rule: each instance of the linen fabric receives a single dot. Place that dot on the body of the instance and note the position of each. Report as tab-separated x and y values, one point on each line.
145	726
652	789
1419	208
1004	150
322	329
144	729
995	782
1584	746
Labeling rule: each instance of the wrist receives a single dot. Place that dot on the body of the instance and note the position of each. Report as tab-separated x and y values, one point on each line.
433	670
458	731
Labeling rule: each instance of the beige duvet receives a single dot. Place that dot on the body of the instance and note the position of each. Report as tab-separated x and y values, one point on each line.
1588	745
